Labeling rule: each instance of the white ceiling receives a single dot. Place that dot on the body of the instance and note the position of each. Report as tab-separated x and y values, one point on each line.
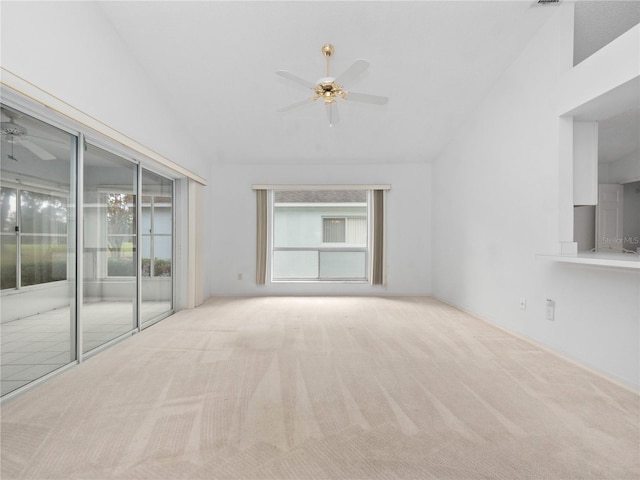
215	63
599	22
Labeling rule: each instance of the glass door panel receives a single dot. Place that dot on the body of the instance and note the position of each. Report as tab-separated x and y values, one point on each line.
156	237
109	250
37	229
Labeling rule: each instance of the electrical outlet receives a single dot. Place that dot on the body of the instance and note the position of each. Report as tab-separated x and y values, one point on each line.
523	304
551	309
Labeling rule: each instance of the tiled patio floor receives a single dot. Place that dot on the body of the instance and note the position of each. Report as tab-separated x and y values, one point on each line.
37	345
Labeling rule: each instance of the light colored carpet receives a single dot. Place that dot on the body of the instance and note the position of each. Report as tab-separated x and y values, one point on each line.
318	387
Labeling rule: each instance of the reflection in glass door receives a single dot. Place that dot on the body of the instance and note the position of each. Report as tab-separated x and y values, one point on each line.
49	236
37	249
109	249
156	246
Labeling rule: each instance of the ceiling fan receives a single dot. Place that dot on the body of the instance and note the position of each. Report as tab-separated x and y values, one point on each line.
16	134
330	89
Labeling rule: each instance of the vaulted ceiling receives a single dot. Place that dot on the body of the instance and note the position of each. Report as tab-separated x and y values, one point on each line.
215	64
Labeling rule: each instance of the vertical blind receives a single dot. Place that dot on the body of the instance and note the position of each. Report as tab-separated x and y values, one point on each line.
356	230
333	230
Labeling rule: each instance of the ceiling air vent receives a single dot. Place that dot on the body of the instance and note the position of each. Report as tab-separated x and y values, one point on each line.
548	1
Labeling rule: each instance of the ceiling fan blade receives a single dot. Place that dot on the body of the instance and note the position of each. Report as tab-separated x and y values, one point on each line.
295	78
332	113
352	72
43	139
301	103
366	98
37	150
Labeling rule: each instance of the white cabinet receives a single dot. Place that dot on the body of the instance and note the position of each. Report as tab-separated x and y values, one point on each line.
585	163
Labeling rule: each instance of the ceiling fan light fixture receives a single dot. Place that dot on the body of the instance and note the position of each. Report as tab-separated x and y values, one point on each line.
328	88
12	129
329	91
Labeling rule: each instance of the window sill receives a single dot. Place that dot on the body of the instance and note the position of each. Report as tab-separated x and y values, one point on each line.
34	288
319	282
599	259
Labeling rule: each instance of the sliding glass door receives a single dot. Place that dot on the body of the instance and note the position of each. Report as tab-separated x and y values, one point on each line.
68	209
109	249
37	257
156	246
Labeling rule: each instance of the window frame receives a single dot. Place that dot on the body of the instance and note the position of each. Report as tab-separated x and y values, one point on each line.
19	233
152	235
348	225
342	234
326	247
105	193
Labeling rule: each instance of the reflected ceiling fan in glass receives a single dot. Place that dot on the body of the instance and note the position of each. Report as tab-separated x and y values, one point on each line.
16	134
330	89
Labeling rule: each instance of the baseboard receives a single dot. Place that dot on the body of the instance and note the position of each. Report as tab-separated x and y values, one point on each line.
620	382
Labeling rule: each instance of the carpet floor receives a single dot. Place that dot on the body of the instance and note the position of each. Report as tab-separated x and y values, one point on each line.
323	388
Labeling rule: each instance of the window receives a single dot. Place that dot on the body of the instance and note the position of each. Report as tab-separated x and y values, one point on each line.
352	230
300	234
156	235
34	237
320	235
120	210
333	230
156	245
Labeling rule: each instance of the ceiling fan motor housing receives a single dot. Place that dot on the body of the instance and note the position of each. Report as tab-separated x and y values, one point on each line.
328	90
13	129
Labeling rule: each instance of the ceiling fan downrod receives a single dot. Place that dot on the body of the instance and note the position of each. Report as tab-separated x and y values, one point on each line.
327	89
327	51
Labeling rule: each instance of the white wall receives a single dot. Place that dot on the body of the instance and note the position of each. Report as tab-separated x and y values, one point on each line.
624	170
231	247
71	51
496	206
